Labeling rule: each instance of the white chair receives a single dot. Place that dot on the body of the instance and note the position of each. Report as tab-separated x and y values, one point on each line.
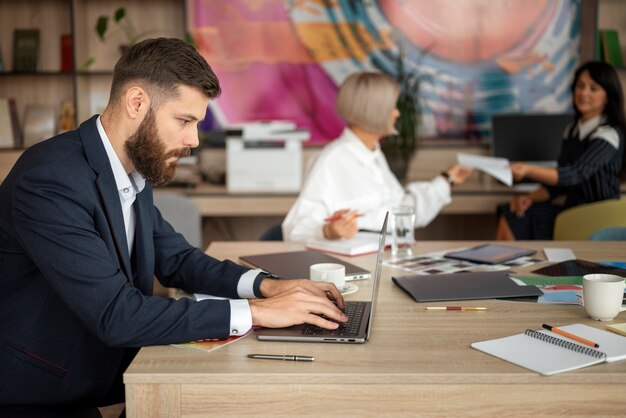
182	214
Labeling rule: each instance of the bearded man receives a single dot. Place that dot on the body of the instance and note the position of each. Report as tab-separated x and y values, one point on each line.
81	241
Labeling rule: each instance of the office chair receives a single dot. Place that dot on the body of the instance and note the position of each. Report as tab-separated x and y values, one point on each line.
609	234
273	233
581	222
182	214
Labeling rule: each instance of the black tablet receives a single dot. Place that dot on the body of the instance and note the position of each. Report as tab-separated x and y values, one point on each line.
578	268
490	254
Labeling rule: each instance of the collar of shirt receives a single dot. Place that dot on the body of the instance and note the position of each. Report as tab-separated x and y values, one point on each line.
365	155
585	128
126	183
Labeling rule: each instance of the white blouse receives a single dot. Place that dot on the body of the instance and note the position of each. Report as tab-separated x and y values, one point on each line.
348	175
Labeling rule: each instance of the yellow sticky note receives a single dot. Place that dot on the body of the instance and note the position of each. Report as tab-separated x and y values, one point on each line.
618	328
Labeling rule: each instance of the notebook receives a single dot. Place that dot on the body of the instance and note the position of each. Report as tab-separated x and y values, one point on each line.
490	254
361	243
463	286
360	315
548	353
295	264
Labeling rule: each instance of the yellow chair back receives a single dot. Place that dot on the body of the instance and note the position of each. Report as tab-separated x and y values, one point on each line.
580	222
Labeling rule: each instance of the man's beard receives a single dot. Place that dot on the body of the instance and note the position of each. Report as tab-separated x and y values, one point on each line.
147	152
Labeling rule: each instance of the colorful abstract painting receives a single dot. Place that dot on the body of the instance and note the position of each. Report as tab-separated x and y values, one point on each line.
285	59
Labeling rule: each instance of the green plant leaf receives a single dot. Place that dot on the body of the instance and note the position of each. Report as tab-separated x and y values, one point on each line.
119	14
101	26
85	65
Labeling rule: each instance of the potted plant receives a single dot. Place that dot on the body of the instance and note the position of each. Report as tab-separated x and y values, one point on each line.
399	148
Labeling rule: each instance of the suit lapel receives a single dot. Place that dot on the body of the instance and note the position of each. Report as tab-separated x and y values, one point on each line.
107	188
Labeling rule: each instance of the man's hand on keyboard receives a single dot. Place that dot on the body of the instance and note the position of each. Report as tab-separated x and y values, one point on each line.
293	302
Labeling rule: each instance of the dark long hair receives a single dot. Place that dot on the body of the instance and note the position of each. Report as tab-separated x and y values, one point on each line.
606	76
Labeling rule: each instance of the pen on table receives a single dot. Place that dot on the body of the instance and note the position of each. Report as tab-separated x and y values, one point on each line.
571	336
335	217
281	357
456	308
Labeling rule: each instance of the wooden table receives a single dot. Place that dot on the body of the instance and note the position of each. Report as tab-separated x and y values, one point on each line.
416	362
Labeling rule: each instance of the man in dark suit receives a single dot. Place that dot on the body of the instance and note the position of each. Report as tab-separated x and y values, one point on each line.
80	243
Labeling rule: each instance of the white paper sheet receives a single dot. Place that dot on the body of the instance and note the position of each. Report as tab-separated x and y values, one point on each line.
496	167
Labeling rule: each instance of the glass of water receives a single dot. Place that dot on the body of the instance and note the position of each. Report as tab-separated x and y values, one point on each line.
402	224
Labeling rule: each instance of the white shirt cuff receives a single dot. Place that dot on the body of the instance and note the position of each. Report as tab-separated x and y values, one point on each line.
246	282
240	316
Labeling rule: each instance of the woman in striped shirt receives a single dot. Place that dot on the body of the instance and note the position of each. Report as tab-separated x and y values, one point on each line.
591	163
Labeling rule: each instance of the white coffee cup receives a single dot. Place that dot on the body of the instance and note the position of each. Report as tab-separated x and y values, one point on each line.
602	296
329	272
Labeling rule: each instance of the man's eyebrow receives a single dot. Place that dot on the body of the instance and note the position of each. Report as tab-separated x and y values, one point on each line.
191	117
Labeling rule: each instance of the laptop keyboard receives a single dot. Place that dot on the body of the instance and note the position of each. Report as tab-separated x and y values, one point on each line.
355	312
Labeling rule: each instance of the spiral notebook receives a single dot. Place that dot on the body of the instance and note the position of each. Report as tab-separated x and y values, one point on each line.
548	353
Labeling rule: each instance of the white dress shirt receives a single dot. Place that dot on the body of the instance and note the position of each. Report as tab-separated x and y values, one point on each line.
348	175
128	186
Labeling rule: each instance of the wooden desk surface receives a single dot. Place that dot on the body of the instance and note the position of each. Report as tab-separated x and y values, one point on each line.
416	362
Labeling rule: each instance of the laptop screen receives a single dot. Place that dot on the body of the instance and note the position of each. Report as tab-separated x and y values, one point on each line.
377	272
530	138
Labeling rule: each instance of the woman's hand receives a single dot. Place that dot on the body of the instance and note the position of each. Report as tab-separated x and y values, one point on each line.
520	204
342	224
519	171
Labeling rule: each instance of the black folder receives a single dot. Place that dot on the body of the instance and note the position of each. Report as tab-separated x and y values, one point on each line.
463	286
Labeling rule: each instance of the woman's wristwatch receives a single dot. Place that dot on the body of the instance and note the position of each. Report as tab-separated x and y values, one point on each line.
448	177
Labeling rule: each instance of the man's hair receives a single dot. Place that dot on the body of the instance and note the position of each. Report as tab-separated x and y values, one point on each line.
366	100
161	65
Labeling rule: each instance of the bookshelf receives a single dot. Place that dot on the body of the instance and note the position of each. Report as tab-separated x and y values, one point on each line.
87	89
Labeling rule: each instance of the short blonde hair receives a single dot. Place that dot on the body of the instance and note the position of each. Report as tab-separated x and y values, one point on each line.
366	100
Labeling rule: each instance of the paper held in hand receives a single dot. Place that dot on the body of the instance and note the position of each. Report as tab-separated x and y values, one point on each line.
496	167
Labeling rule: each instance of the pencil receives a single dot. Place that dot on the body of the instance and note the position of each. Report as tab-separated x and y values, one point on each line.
570	336
456	308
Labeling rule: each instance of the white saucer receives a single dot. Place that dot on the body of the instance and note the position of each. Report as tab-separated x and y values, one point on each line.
348	289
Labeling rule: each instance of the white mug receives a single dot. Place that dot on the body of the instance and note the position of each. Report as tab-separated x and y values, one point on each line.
329	272
602	296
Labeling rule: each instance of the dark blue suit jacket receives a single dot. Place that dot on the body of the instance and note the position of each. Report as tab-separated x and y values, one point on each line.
71	314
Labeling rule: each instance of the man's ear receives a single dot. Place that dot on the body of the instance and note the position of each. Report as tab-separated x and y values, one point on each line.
136	102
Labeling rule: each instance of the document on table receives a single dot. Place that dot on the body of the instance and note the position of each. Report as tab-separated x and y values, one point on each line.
496	167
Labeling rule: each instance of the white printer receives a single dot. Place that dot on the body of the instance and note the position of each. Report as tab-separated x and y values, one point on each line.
264	157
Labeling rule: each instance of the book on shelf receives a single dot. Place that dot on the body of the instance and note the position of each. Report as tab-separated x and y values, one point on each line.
610	47
39	124
25	50
67	55
548	353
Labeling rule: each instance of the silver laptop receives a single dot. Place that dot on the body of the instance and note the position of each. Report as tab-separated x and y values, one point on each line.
360	316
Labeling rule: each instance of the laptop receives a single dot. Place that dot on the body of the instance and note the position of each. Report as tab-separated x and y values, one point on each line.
295	264
532	138
360	315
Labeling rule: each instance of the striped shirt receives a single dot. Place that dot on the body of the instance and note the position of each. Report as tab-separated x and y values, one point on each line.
590	163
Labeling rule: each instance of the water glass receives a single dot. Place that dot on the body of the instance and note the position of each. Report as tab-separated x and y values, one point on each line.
402	224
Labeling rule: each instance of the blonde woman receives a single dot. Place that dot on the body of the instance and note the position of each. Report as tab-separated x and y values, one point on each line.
350	185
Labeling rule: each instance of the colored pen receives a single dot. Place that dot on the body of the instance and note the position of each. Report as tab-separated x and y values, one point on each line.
571	336
336	217
456	308
281	357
